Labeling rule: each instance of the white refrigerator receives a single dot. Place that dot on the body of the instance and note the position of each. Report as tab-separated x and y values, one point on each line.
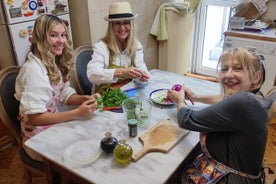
17	19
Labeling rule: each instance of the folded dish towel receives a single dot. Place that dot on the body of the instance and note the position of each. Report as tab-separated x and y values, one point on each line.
159	28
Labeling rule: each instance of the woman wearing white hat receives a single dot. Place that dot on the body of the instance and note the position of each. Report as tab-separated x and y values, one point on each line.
118	57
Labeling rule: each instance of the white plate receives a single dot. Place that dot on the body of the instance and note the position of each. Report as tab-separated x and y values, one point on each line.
159	95
81	153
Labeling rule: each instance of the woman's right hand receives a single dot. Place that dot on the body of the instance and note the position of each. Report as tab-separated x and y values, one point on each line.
189	94
87	108
132	73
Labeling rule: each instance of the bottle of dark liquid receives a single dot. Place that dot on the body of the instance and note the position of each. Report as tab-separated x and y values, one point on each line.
108	143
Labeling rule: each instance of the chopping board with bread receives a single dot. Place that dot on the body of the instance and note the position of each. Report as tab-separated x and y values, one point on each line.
160	138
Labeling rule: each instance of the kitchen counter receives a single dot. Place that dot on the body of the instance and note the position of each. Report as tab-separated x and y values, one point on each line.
265	35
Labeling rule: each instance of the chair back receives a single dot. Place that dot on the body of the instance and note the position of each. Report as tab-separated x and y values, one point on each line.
82	55
9	106
271	96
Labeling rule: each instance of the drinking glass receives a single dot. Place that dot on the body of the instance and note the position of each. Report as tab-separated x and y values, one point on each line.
137	108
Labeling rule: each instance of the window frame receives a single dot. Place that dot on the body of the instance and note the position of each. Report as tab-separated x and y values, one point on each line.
200	25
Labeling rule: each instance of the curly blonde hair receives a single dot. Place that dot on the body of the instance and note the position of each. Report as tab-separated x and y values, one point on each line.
40	47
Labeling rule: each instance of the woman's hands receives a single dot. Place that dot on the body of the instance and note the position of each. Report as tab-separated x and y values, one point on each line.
145	77
132	73
176	96
188	94
89	104
87	108
183	93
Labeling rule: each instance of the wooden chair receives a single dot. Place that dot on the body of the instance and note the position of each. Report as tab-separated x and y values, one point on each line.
58	174
271	95
270	150
82	55
9	108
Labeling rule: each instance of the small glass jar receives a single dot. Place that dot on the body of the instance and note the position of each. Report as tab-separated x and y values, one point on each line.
122	152
132	127
108	143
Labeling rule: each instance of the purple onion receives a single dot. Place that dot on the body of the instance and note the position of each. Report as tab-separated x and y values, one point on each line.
177	87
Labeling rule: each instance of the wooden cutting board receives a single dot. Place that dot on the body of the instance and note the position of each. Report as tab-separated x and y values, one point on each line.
160	138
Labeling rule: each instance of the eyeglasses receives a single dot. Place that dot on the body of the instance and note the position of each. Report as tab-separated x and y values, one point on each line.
121	23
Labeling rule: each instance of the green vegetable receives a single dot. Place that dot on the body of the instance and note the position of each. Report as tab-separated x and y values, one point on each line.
112	97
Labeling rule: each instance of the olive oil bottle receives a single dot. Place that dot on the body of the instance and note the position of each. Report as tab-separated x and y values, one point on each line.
122	152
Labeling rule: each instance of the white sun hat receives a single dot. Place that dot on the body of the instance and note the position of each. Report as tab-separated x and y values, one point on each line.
120	11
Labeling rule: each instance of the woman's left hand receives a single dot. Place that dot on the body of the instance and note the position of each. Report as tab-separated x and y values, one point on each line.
96	95
175	96
145	77
87	108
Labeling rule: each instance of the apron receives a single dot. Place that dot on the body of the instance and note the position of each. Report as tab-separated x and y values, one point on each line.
206	170
29	130
120	82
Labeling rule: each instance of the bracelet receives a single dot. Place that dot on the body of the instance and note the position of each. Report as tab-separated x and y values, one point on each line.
182	100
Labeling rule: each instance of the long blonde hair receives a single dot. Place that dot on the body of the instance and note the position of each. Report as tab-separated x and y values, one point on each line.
111	41
247	59
40	47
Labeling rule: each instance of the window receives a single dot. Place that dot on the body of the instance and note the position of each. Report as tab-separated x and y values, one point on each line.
211	22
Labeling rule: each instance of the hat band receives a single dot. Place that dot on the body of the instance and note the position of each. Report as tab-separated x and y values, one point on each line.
122	15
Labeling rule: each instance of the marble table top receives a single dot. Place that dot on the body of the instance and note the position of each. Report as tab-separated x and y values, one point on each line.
154	167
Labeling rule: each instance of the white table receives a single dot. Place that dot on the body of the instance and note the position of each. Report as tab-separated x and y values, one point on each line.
153	168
